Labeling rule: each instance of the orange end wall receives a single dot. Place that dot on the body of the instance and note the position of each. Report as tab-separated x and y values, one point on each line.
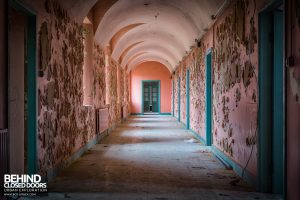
151	71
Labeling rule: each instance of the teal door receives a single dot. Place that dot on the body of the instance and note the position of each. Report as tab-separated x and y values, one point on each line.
151	96
208	100
271	102
30	90
278	103
173	90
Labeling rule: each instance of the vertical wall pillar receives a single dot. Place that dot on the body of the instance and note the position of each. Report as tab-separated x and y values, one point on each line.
107	73
173	90
88	77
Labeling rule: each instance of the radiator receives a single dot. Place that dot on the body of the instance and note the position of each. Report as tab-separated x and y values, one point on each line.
4	153
101	120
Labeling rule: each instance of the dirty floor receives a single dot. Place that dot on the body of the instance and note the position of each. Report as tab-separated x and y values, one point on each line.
149	157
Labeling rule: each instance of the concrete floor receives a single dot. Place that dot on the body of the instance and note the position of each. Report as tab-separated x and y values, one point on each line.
149	157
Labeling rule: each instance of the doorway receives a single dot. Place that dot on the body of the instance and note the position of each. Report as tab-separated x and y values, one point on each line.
151	97
208	92
173	90
188	99
271	101
22	116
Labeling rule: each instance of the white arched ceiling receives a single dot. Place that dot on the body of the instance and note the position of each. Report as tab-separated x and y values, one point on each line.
151	47
158	36
148	57
168	30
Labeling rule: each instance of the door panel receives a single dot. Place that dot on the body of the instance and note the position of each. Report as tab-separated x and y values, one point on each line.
151	96
208	100
155	97
278	104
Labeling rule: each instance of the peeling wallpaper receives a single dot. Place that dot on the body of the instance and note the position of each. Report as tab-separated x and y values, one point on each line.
64	124
175	78
99	77
235	65
114	111
196	62
235	84
295	83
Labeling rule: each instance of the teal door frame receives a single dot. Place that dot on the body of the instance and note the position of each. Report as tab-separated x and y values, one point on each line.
31	74
178	96
173	89
187	99
208	94
271	120
142	88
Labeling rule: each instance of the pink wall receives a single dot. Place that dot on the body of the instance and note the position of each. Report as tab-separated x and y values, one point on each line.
293	103
151	71
234	85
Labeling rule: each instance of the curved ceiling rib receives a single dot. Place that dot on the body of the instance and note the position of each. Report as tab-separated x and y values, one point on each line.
154	48
148	57
135	56
127	49
120	33
161	37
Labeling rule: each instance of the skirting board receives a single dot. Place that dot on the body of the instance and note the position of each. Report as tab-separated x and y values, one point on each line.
52	173
249	178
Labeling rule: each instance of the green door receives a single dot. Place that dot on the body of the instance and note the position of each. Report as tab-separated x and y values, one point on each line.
151	96
278	105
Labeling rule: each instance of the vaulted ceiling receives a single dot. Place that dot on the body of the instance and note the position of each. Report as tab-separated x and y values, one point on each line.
148	30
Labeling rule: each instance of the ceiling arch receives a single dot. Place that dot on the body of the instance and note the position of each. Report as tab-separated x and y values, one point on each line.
149	57
151	60
126	50
159	37
151	47
120	33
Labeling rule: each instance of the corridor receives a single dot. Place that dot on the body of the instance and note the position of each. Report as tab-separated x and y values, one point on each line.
150	99
141	159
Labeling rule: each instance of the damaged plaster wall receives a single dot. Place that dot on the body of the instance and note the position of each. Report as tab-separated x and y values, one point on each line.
175	77
114	111
233	39
99	77
64	124
194	62
235	83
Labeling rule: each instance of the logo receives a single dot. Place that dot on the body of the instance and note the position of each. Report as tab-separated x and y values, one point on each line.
23	185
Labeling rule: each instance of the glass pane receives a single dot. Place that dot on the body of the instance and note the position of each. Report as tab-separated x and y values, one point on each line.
146	99
146	89
154	99
154	89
